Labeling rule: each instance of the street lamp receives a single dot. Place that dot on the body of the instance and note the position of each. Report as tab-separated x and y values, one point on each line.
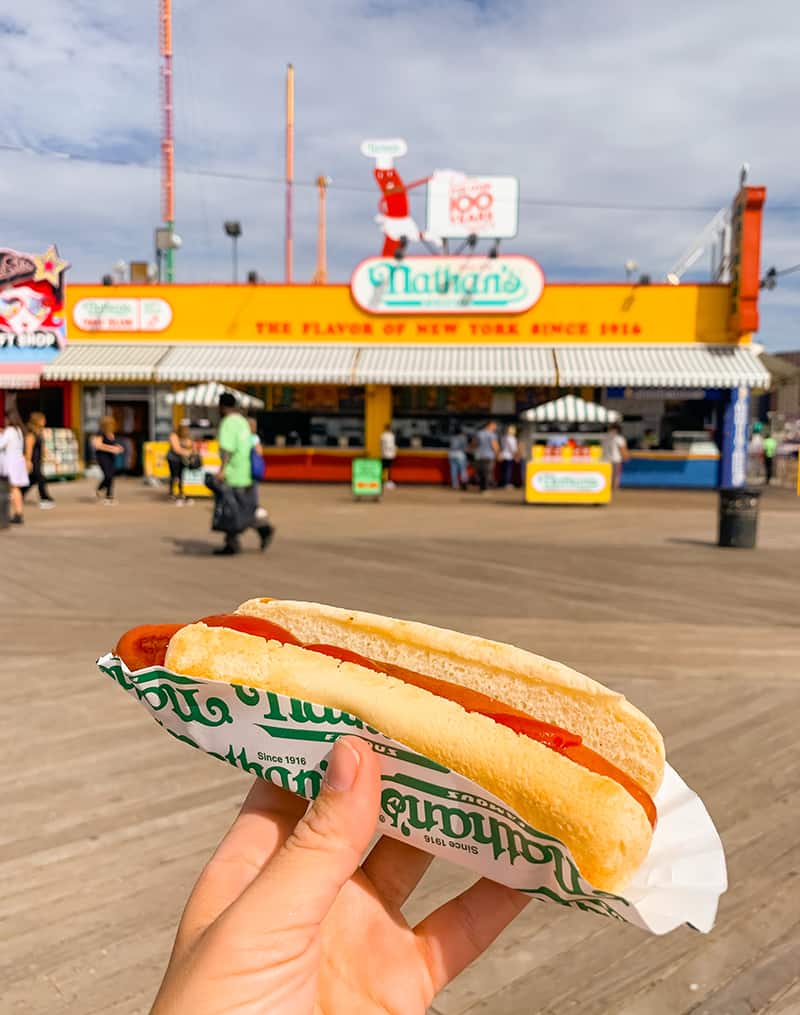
166	239
234	230
631	267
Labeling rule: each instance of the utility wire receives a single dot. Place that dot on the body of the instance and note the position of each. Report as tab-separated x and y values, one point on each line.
218	174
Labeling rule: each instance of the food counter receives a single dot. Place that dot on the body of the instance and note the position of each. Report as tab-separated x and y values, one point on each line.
305	465
676	469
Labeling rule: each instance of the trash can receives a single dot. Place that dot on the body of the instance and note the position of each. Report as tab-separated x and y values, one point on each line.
738	517
4	504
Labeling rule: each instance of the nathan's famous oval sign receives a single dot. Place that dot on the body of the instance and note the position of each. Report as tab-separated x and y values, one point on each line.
447	285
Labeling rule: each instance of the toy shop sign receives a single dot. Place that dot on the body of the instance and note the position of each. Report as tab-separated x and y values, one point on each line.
32	326
447	285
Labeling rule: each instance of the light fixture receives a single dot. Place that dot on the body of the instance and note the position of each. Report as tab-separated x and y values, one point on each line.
166	239
234	230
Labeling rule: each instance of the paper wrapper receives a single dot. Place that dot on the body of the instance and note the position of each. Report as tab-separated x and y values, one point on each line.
286	741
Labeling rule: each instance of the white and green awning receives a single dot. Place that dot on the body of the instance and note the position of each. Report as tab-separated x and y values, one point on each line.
259	364
94	361
660	366
674	367
495	365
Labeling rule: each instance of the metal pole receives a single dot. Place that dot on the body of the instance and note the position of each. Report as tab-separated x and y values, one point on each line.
321	276
167	139
289	167
235	259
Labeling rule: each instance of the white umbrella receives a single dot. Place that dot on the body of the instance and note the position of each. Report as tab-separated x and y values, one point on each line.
207	395
570	409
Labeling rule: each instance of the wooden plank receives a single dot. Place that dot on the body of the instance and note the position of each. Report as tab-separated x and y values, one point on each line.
788	1002
760	981
108	821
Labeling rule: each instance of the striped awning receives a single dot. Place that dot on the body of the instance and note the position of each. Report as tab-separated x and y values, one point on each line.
570	409
207	395
16	376
95	362
259	364
455	364
696	366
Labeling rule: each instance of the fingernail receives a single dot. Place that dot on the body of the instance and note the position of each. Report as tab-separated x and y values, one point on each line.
343	765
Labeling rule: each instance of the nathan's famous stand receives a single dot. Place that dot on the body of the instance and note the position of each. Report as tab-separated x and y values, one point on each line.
366	479
570	473
565	449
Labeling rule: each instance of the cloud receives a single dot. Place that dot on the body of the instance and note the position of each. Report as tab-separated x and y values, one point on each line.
615	103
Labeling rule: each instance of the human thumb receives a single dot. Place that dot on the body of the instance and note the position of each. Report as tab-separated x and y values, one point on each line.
300	884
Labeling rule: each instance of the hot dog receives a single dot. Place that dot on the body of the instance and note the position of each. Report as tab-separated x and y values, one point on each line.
573	758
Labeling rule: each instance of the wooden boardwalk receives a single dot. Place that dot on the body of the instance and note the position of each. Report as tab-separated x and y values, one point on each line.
106	821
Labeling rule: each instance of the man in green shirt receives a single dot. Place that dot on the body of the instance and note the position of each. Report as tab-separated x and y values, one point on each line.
770	447
235	444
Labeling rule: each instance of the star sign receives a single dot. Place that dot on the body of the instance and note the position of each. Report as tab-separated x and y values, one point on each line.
49	267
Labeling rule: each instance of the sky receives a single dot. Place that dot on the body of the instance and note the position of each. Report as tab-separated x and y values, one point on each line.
650	109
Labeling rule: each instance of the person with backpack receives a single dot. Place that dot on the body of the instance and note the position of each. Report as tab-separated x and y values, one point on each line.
257	451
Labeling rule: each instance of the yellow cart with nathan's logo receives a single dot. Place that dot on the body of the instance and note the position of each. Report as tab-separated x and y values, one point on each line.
567	476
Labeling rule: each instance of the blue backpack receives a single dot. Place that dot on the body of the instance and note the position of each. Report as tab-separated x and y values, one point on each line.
257	465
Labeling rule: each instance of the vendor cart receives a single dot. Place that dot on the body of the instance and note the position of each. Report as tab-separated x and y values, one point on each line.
565	451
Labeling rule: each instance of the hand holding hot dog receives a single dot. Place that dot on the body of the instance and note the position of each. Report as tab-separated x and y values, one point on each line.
284	921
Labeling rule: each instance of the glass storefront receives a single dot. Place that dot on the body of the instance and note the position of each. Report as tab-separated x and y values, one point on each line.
650	417
311	415
425	417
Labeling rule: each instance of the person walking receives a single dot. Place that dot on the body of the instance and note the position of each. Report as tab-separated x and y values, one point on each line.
618	449
12	463
106	449
509	453
34	456
258	467
256	450
388	455
770	449
486	453
181	449
235	445
457	458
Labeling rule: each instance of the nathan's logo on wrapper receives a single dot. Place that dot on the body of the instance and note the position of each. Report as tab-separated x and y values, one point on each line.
407	811
286	740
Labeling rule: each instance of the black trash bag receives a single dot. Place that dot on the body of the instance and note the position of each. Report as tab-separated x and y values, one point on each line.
228	515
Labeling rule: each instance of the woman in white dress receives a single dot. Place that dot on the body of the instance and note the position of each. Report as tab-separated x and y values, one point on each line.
12	462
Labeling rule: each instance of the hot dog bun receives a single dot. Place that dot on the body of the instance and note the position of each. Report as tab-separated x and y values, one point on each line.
541	688
605	829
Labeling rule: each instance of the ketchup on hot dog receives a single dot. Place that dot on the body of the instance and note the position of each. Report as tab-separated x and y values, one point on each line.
147	646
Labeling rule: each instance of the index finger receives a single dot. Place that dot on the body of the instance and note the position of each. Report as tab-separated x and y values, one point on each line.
264	823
